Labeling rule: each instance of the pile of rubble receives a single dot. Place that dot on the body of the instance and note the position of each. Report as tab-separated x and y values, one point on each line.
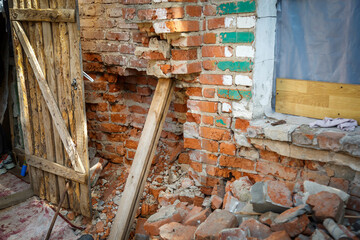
264	210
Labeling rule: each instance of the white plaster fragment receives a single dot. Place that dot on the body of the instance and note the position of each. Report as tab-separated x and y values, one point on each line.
241	140
227	80
161	13
227	52
246	22
243	80
229	22
226	107
160	27
242	109
245	51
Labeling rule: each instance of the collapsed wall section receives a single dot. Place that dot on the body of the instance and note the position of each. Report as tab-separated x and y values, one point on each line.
208	48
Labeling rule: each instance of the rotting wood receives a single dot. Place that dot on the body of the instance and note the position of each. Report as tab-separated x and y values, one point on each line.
16	198
43	15
56	168
50	101
139	170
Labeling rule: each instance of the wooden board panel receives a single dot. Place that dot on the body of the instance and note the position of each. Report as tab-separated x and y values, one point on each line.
43	15
317	99
56	139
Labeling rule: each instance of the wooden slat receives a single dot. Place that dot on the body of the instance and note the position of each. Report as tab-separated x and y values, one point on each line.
55	168
78	101
317	99
50	101
135	183
57	90
43	15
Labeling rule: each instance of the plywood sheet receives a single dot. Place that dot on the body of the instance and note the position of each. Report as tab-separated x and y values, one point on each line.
317	99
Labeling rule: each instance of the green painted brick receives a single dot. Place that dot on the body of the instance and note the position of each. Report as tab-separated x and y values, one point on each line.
237	37
234	94
221	122
235	66
236	7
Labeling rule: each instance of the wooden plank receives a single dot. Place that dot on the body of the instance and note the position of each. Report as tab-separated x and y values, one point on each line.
135	183
50	101
78	100
317	99
43	15
58	66
16	198
55	168
50	179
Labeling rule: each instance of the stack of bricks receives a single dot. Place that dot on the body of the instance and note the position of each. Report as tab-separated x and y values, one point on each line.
207	46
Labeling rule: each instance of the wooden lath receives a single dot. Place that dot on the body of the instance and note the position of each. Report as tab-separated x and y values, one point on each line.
46	15
50	100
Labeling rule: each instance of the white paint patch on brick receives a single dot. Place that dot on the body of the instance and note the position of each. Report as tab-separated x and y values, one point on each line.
226	107
229	22
159	1
227	80
243	80
161	13
160	27
227	52
245	51
246	22
242	109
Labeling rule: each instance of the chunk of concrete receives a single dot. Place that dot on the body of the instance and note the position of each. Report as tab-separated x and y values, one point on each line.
268	218
217	221
314	188
271	196
335	231
241	189
320	235
293	227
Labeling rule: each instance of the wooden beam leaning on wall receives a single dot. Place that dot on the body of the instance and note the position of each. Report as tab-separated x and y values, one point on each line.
140	167
50	100
43	15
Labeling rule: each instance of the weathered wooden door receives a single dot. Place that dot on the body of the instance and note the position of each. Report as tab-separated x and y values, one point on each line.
49	73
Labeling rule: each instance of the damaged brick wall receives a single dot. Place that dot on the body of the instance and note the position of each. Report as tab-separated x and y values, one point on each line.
208	47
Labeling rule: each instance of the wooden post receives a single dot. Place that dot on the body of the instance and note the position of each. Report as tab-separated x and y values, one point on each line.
135	182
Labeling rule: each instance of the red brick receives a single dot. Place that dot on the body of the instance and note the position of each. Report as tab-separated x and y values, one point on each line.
193	117
176	230
213	51
215	23
228	148
215	133
186	68
255	228
131	144
128	13
138	109
209	10
192	143
189	54
202	106
216	202
118	118
92	57
330	140
121	36
211	79
183	26
193	11
339	183
229	161
209	65
109	127
277	170
196	166
353	203
223	122
209	92
209	145
118	108
188	41
207	120
209	38
279	193
270	156
315	176
196	216
279	235
294	227
194	91
184	158
182	108
242	124
150	14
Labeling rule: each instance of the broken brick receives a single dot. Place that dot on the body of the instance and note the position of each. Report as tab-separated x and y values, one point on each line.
177	231
256	229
